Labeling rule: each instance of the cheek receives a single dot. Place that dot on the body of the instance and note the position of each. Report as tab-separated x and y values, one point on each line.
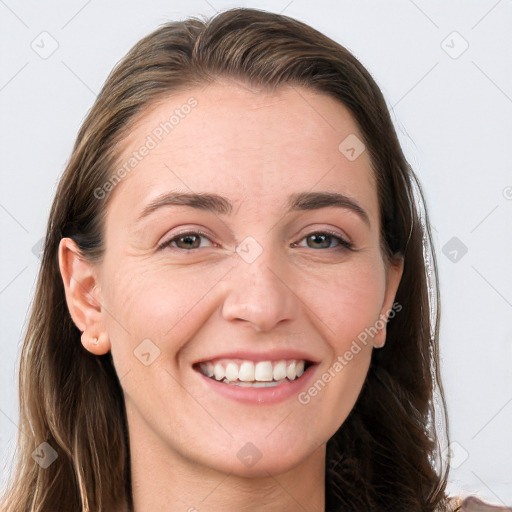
348	300
156	302
346	303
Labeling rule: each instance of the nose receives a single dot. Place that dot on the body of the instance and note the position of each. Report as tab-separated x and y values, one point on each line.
259	296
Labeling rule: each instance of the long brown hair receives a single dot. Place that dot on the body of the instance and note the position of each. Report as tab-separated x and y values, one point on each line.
386	455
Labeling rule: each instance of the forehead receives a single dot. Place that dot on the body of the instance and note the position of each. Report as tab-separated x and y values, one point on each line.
251	145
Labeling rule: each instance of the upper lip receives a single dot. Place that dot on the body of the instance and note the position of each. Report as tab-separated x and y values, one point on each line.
269	355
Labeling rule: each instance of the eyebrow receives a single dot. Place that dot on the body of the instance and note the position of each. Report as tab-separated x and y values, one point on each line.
222	206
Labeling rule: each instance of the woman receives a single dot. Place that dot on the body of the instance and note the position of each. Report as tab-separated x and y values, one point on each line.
234	310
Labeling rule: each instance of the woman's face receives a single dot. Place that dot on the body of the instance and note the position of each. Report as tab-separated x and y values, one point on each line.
247	256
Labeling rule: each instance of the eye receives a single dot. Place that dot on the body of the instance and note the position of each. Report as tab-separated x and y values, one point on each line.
324	240
317	240
185	241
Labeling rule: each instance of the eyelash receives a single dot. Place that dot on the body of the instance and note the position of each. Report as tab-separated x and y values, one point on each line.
342	243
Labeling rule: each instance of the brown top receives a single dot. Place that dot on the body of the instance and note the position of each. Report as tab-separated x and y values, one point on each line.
473	504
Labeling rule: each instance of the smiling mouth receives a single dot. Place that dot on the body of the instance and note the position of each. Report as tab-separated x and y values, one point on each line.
263	374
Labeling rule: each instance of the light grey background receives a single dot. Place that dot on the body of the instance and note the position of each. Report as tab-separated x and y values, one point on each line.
452	107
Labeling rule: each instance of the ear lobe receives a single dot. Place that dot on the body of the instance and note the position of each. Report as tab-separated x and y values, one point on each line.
81	288
393	276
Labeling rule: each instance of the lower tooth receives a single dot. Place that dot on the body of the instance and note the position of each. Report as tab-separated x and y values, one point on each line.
255	384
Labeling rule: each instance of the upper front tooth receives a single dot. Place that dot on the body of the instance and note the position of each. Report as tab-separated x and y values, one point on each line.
246	371
263	371
231	371
280	370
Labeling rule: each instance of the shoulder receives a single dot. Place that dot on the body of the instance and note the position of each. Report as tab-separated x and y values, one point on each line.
474	504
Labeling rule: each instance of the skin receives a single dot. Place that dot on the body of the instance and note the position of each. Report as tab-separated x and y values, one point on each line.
255	149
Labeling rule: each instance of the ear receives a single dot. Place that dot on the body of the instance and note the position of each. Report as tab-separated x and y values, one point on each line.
394	273
83	296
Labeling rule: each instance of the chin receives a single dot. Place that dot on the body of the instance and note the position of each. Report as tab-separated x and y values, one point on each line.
264	467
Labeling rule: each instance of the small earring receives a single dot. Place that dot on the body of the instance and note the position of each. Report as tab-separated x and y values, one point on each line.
95	341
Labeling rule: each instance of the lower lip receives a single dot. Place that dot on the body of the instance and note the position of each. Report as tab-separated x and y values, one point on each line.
271	395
